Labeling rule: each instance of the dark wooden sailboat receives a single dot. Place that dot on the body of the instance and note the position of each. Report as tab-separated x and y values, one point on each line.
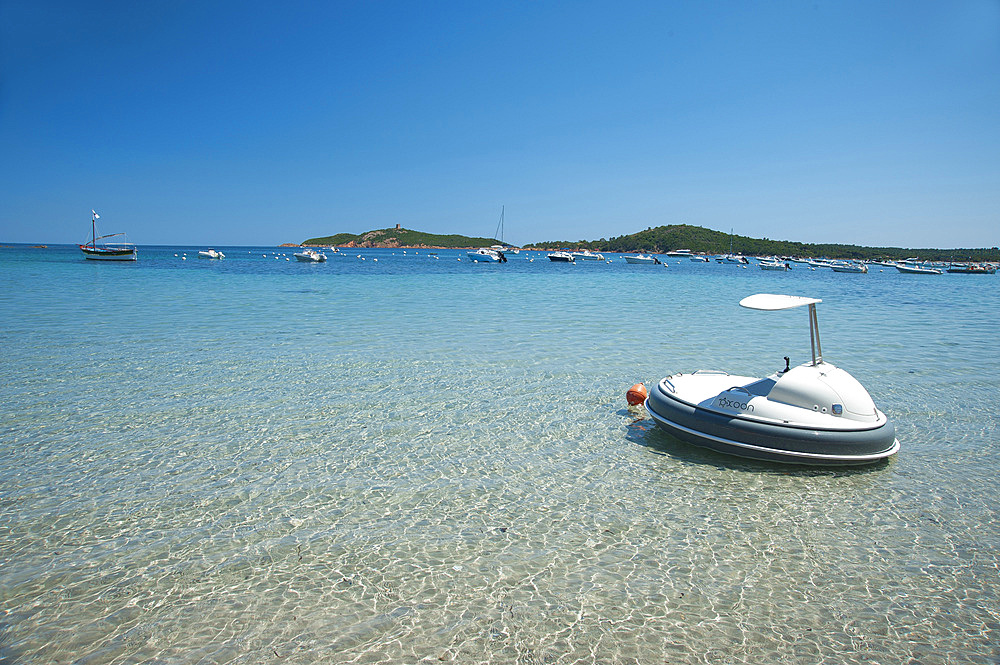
107	251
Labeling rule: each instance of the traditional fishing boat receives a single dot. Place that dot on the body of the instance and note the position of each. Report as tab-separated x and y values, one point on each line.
107	251
814	414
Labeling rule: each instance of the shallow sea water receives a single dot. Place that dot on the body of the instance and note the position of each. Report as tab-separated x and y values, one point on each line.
419	459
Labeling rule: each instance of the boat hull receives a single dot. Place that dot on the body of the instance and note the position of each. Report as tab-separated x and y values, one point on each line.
972	271
785	443
108	254
911	270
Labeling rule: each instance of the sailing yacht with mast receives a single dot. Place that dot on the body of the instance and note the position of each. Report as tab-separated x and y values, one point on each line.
498	235
107	251
733	258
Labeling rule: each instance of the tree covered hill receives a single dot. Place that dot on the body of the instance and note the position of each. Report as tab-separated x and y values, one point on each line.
663	239
706	241
400	237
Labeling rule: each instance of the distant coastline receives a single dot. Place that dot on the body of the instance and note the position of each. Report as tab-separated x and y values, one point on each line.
658	240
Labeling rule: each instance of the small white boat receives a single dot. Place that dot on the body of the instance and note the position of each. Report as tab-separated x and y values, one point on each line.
641	258
679	252
487	255
849	266
587	255
914	269
700	259
310	256
107	251
210	254
813	414
774	265
562	257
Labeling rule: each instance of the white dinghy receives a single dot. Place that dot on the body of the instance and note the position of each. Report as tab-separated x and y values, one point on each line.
814	414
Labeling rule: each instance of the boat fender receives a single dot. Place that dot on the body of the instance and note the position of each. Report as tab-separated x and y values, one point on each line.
637	394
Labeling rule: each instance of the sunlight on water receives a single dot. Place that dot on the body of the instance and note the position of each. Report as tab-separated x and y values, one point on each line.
260	461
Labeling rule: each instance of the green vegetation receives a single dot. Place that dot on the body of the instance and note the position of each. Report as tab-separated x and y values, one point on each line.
664	239
400	237
706	241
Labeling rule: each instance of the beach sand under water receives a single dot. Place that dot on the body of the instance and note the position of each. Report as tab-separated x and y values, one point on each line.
419	459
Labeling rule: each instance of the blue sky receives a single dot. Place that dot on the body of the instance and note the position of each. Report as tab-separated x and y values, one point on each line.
214	123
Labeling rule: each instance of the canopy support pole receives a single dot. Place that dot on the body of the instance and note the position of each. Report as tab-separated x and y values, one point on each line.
817	349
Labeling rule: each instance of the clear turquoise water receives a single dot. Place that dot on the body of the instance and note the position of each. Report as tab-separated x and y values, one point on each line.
418	459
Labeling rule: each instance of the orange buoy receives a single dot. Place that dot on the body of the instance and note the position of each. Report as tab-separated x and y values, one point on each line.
637	394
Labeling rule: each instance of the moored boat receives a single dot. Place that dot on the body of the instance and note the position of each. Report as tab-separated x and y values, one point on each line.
503	247
310	256
733	258
487	255
774	264
815	414
210	254
972	269
641	258
849	266
914	269
587	255
561	257
107	251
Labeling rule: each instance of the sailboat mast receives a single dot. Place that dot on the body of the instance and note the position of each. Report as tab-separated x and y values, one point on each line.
499	228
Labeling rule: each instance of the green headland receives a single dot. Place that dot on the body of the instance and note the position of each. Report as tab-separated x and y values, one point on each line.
661	239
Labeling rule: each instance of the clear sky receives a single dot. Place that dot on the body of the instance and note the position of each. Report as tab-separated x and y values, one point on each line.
246	122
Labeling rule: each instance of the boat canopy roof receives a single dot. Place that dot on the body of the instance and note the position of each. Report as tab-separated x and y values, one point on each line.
771	301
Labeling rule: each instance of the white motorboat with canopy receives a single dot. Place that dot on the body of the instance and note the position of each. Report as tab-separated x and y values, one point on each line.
641	258
310	256
814	414
487	255
914	269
